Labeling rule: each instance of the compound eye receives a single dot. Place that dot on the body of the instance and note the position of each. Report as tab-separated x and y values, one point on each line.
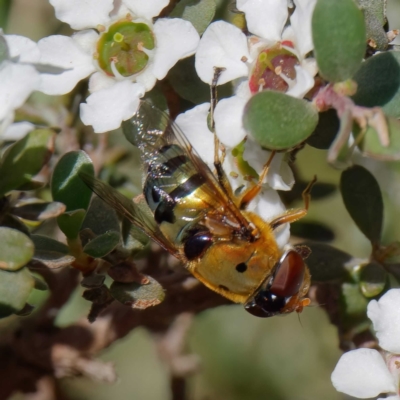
265	304
289	275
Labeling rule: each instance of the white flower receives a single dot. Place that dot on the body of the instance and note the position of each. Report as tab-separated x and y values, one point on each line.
122	50
366	373
18	79
271	58
267	204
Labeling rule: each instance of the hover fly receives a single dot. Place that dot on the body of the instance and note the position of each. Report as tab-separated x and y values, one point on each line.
195	215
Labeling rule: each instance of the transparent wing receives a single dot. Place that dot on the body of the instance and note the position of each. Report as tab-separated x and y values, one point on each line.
151	129
135	211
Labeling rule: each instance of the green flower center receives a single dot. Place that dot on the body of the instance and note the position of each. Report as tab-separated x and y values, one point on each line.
124	44
271	68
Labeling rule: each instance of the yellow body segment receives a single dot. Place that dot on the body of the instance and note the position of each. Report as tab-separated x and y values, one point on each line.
217	267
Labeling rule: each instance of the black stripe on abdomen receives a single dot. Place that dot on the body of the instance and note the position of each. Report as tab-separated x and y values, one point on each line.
165	209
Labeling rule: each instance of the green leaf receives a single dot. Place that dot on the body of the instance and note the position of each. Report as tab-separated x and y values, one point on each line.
15	223
185	81
137	295
278	121
372	146
38	211
199	12
373	279
25	158
15	288
93	281
70	223
326	263
339	37
32	185
50	252
16	249
68	188
102	245
100	217
378	82
352	310
40	284
312	231
363	200
375	19
326	130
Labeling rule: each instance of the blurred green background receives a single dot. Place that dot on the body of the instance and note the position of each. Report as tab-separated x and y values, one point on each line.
242	357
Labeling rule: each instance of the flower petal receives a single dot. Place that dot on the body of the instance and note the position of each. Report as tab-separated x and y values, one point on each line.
106	109
265	18
228	120
17	82
362	373
279	175
385	315
86	40
222	45
82	14
300	21
146	78
304	82
99	81
63	52
176	39
268	206
194	125
26	50
146	8
17	131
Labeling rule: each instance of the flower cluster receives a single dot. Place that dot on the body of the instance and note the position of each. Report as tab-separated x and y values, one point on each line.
124	49
366	373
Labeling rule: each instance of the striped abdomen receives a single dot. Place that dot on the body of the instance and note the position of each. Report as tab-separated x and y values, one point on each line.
172	192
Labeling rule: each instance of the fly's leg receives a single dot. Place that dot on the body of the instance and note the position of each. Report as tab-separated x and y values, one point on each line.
253	191
293	215
222	178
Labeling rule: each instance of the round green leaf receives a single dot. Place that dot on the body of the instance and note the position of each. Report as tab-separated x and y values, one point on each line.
373	279
339	37
363	200
137	295
25	158
199	12
68	188
70	223
278	121
102	245
100	217
378	82
326	263
38	211
375	19
326	130
15	288
16	249
50	252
